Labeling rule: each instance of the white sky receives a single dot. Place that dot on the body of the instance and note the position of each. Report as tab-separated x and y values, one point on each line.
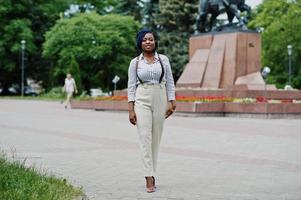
253	3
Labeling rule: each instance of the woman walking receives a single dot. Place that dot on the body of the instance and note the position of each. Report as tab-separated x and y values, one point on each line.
151	97
69	88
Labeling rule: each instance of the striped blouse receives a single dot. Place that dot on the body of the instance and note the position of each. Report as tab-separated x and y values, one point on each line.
150	73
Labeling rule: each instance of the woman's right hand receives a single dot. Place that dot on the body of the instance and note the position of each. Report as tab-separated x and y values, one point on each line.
132	117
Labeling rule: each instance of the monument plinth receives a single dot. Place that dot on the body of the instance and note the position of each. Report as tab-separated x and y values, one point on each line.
224	70
226	60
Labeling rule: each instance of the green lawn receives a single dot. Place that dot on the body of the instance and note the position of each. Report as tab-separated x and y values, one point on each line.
18	182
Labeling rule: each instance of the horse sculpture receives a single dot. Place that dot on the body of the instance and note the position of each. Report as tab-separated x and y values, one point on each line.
233	8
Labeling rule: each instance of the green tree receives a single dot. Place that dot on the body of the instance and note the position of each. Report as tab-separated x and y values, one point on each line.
149	12
101	45
101	7
281	21
75	71
12	32
25	20
130	8
29	20
176	20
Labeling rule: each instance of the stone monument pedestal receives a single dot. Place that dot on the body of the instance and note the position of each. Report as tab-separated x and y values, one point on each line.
225	70
224	60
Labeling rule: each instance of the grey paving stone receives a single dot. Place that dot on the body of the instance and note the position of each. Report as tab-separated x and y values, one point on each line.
200	158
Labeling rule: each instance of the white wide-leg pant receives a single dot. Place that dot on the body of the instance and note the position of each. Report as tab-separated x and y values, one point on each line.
150	108
68	98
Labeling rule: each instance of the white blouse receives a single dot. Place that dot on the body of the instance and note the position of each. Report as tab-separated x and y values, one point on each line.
150	73
69	85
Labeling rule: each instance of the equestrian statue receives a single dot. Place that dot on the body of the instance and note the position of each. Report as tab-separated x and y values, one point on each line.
210	9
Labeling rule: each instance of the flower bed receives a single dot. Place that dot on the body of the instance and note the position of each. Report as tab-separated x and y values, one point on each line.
111	98
208	99
212	99
208	104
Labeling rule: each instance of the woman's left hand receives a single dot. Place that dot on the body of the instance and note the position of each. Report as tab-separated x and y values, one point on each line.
171	108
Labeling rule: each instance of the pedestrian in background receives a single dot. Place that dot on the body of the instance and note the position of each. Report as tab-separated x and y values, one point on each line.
69	88
151	97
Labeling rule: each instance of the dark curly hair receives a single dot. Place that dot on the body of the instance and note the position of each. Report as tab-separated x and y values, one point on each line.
139	38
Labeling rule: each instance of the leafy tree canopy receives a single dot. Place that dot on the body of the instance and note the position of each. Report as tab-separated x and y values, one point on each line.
29	20
176	20
101	46
280	20
130	7
149	12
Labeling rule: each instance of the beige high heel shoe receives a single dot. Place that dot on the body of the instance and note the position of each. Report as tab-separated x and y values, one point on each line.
150	185
154	181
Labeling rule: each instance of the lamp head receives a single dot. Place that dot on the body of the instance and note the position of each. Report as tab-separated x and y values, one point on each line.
289	49
260	29
23	42
116	79
265	72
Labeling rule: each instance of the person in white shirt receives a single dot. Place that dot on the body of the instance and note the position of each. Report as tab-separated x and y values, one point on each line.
69	88
151	97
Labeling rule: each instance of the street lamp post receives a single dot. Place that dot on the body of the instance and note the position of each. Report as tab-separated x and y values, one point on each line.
290	52
265	72
115	80
23	43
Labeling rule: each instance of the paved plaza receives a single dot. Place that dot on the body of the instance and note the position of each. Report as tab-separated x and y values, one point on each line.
205	158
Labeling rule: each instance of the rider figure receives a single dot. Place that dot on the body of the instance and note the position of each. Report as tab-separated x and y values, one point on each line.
201	19
215	7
